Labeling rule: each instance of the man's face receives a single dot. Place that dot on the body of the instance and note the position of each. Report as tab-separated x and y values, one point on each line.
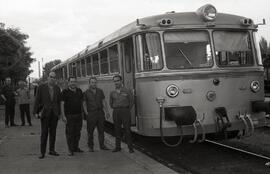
93	83
117	82
8	81
51	78
72	83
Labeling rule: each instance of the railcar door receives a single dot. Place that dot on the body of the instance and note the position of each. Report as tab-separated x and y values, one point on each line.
127	54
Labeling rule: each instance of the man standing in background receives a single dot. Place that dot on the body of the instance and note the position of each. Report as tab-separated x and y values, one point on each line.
24	102
8	94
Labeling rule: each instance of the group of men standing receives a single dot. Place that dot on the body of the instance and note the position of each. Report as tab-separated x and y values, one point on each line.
8	95
72	103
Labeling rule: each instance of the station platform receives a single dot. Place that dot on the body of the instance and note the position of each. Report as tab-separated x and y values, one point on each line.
19	151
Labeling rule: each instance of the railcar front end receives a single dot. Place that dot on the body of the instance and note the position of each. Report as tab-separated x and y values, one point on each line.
205	78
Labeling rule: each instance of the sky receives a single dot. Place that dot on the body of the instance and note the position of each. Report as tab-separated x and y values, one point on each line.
58	29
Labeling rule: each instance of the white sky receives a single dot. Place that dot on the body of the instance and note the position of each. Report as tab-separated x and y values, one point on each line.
58	29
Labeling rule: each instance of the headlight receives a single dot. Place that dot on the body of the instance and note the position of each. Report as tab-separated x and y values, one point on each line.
208	12
172	90
211	95
255	86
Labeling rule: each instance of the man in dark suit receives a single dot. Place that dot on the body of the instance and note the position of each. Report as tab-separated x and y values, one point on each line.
48	98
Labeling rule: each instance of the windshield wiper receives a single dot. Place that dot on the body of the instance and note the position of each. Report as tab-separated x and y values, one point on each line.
185	56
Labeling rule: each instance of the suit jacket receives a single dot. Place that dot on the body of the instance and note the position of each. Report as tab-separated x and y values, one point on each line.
44	103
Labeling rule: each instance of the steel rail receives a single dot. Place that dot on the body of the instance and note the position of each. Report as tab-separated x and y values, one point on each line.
240	150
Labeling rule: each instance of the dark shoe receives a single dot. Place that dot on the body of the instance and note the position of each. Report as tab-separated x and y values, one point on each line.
78	150
54	153
30	124
23	124
13	125
131	151
104	148
91	150
70	153
41	156
116	150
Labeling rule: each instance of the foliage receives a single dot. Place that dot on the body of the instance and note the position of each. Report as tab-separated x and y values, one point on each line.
47	68
265	48
15	56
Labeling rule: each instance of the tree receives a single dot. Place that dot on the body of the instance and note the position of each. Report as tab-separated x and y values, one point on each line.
264	48
15	57
48	66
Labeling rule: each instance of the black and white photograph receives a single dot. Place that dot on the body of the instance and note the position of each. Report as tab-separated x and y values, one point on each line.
134	87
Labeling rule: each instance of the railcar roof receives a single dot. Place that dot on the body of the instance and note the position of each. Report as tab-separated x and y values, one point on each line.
180	20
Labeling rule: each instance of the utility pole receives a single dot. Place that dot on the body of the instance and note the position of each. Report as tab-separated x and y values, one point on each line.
39	69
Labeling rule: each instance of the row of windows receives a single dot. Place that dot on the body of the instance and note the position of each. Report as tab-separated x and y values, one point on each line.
183	49
103	62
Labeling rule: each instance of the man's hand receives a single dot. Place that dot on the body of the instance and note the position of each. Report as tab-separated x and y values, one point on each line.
64	118
107	115
37	116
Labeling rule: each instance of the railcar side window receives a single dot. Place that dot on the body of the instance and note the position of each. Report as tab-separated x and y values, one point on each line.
83	67
65	72
95	64
233	48
187	49
104	66
88	66
78	68
74	71
151	49
113	54
70	73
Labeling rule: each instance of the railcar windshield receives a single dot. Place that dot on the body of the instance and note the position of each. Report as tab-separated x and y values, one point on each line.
149	52
233	48
187	49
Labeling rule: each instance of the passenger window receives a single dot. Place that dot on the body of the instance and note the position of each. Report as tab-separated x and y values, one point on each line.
113	54
83	67
78	68
65	72
88	66
70	69
104	62
95	64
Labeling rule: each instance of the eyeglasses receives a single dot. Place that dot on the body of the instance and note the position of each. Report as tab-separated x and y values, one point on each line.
116	81
53	77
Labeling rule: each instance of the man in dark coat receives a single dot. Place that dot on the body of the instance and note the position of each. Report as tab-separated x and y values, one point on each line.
8	95
48	99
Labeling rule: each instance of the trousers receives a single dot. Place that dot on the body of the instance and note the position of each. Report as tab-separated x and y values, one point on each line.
48	127
24	109
121	117
9	113
73	131
95	119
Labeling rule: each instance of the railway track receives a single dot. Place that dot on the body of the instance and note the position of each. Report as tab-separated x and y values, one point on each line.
203	158
239	150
